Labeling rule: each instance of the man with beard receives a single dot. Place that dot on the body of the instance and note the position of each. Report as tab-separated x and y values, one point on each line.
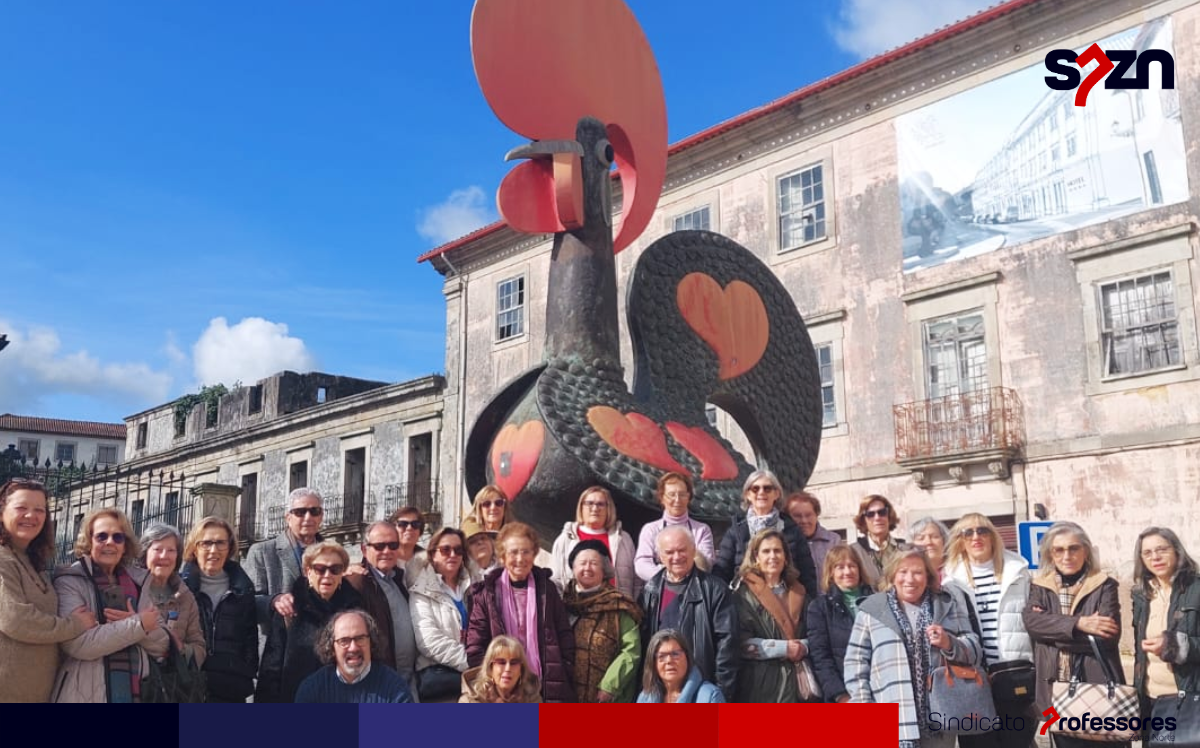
349	676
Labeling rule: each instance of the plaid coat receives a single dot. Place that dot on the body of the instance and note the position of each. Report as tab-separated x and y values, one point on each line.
876	668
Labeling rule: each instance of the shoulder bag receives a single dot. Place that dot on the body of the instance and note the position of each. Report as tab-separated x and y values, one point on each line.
1103	701
175	680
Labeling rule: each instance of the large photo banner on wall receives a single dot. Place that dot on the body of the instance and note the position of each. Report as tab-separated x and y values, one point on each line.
1011	160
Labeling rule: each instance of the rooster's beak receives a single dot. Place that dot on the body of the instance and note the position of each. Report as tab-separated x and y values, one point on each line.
544	148
565	169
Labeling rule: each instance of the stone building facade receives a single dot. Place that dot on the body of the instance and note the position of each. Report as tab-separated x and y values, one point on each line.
1034	353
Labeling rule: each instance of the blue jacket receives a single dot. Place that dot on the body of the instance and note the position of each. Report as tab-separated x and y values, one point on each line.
695	691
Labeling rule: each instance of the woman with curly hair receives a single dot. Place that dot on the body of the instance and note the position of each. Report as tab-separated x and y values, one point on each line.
503	678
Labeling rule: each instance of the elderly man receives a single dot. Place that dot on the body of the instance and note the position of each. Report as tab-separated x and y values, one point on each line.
805	511
274	565
686	599
385	597
349	676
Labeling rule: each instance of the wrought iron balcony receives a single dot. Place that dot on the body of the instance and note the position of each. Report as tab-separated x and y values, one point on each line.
972	426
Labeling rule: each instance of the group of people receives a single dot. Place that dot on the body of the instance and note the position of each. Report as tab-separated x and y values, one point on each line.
782	610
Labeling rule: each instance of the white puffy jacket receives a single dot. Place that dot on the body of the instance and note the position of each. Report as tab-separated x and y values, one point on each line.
436	621
623	551
1011	637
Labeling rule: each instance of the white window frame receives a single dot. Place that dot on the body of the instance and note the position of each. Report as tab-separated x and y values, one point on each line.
521	307
700	214
37	449
805	209
1151	278
827	330
116	455
74	451
820	156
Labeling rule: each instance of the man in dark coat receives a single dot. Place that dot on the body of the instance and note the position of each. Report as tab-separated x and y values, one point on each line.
385	597
274	564
695	603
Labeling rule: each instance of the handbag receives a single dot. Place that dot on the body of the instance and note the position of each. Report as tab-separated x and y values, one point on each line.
962	694
1184	708
1103	701
810	690
175	680
438	682
1013	681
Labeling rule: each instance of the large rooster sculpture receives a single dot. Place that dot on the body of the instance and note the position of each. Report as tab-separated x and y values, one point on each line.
709	322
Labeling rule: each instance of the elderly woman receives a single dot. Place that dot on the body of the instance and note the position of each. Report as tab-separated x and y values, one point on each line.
491	512
763	501
106	664
674	494
770	608
805	511
876	547
30	629
321	591
670	676
932	536
439	613
521	601
481	550
608	643
503	678
900	636
1070	599
831	617
1166	618
162	548
225	597
996	582
596	519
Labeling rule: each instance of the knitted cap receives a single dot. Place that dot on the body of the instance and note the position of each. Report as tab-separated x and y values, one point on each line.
588	545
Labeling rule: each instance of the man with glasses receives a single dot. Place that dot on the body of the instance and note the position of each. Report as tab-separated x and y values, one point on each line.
274	565
385	597
350	675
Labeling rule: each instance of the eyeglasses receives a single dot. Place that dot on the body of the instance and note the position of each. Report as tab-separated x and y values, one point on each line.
118	538
761	489
345	641
504	663
1069	550
334	569
498	503
300	511
391	545
208	545
596	504
450	550
673	654
677	495
872	513
415	524
1162	550
970	532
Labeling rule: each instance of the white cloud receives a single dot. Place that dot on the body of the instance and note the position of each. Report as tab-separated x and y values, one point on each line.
868	27
458	215
250	350
34	367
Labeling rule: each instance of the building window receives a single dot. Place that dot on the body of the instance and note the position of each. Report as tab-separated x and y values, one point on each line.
255	401
829	415
322	395
697	219
1139	328
29	449
106	454
802	207
1070	145
64	451
510	308
141	436
137	516
171	509
955	355
298	475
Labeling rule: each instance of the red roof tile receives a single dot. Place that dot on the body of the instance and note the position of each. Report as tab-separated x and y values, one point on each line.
9	422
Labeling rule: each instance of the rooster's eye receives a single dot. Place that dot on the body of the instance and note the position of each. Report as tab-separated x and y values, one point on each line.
604	152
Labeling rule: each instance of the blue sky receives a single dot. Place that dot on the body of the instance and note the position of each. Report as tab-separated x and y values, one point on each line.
204	192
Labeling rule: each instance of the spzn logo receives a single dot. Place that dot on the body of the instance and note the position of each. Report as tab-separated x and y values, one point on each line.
1115	61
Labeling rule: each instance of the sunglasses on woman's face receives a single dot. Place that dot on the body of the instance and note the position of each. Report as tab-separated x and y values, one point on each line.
498	503
334	569
118	538
873	513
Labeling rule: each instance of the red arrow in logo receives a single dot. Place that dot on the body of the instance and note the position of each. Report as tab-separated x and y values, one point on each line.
1052	713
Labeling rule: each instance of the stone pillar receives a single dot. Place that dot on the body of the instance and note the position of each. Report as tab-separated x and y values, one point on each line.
216	500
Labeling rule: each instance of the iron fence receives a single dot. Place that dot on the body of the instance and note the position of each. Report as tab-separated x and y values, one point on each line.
986	420
339	514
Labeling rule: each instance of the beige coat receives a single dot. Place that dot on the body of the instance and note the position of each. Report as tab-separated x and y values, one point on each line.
30	630
81	676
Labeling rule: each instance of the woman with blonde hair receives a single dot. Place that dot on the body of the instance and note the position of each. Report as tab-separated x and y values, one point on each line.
831	617
503	678
596	519
875	546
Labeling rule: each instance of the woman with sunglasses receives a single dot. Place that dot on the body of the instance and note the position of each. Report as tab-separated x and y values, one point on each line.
503	678
763	501
30	627
225	597
1166	618
674	493
491	511
876	547
439	613
1070	600
671	677
596	519
996	582
106	664
289	656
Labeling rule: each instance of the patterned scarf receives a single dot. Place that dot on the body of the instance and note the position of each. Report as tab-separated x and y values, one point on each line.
1067	590
916	647
766	522
508	608
597	633
122	668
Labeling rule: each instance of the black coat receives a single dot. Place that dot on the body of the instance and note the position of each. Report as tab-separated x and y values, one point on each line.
1183	617
289	656
737	539
709	621
829	627
230	633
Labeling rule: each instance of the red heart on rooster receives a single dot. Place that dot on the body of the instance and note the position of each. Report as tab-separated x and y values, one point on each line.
515	453
718	465
633	435
732	320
